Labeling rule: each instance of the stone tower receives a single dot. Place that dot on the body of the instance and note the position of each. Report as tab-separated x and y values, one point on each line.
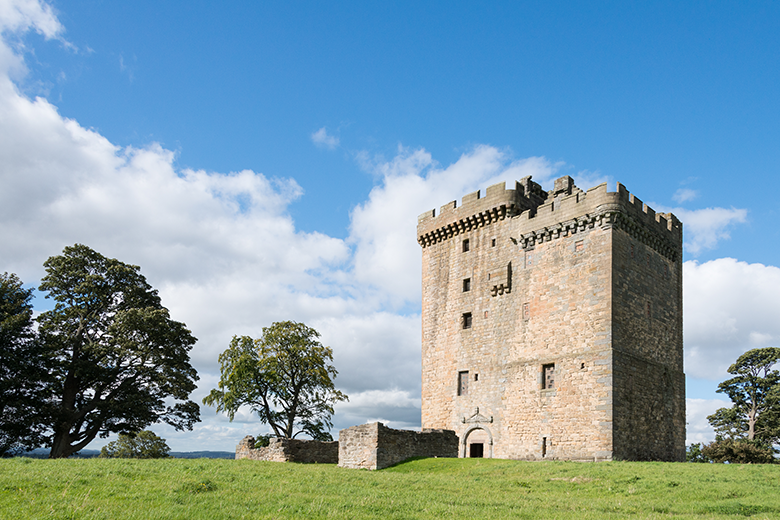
552	324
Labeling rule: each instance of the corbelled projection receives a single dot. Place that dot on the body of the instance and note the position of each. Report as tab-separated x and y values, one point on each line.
552	324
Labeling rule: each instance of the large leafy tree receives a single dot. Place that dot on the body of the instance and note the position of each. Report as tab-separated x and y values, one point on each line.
120	362
142	445
755	393
23	374
286	377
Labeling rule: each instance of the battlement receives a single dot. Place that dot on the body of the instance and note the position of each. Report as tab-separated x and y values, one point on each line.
598	199
563	210
477	211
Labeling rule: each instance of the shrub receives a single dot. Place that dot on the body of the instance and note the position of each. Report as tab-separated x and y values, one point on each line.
142	445
739	451
694	454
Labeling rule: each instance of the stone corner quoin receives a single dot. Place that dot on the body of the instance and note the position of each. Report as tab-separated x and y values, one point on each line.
552	324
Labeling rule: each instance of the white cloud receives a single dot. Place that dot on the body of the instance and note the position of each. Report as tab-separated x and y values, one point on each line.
684	195
730	307
698	428
388	257
324	140
704	228
17	16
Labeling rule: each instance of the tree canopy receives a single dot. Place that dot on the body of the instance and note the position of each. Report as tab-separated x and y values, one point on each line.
142	445
23	374
286	377
755	393
117	356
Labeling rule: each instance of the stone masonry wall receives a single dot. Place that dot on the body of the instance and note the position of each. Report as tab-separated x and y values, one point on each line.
649	382
523	279
289	450
375	446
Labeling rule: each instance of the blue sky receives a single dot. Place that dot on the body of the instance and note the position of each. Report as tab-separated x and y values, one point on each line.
266	161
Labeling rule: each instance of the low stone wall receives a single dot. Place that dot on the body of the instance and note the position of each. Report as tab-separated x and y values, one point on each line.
289	450
375	446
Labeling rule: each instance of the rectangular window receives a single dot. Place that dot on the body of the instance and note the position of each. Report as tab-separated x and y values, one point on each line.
548	376
579	246
493	243
466	284
466	319
465	245
463	382
544	447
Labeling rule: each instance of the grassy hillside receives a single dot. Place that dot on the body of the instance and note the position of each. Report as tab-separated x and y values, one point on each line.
431	488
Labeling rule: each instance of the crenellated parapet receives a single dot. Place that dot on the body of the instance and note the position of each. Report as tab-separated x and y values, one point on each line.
476	211
540	216
563	216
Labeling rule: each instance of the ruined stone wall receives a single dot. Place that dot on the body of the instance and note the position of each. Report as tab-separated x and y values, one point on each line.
541	283
375	446
289	450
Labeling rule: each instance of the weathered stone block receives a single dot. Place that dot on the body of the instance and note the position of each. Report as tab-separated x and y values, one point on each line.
289	450
375	446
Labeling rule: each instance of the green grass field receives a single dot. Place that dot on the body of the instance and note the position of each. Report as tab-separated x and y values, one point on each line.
430	488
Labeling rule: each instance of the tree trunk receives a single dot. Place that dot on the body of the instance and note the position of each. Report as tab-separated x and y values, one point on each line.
61	448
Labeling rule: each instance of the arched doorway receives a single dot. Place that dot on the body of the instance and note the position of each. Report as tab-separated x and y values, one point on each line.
477	443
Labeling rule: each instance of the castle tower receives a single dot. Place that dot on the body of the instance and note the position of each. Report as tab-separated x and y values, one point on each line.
552	324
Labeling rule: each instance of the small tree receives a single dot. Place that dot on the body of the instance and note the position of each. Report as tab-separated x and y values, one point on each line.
142	445
286	377
755	394
23	371
263	440
694	453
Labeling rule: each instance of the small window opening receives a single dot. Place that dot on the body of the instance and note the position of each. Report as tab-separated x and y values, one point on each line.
548	376
544	447
465	245
476	377
466	284
579	246
466	320
463	382
493	243
476	450
526	311
486	314
582	365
